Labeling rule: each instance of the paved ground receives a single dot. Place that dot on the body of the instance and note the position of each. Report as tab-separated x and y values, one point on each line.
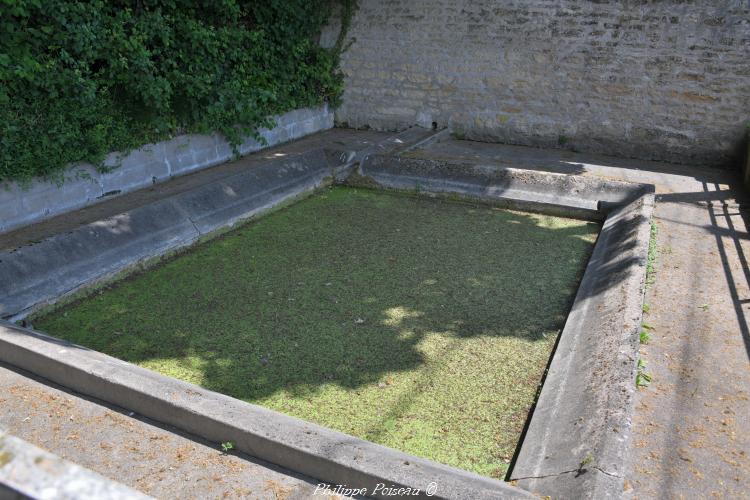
692	425
135	451
690	437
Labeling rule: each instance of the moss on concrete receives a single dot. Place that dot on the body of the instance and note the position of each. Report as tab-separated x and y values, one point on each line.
420	324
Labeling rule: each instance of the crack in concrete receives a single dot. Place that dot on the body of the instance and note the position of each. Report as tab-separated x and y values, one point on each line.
192	222
578	470
612	474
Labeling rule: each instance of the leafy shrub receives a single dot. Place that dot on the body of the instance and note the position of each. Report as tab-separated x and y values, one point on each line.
81	78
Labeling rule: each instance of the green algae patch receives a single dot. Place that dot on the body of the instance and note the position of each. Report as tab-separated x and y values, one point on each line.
420	324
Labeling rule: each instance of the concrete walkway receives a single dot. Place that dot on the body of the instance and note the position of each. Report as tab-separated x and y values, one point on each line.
692	425
690	437
139	453
691	428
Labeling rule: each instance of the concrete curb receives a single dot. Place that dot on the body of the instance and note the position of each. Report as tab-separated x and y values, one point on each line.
30	472
568	195
43	272
576	445
286	441
143	167
436	136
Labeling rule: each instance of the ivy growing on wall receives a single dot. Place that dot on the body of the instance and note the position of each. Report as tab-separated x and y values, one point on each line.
81	78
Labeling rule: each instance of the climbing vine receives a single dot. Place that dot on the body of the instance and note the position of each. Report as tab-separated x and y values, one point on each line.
81	78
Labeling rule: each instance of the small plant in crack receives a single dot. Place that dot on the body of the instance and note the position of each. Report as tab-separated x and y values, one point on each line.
227	447
582	467
642	379
645	335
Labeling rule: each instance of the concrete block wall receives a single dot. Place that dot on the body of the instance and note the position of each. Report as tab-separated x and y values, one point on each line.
148	165
663	80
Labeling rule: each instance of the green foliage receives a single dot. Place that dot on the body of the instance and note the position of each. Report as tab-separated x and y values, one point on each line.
642	379
227	447
644	337
81	78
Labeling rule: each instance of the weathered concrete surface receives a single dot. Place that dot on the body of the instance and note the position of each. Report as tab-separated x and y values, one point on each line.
689	436
690	430
144	225
395	144
665	80
143	167
668	177
157	460
64	262
577	443
346	141
519	188
27	471
286	441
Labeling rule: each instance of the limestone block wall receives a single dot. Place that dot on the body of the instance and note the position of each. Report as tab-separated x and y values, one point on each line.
652	79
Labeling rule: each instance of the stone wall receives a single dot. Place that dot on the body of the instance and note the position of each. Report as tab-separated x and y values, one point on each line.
666	80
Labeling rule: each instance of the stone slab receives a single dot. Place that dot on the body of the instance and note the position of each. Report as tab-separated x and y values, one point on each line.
240	196
569	195
138	452
30	472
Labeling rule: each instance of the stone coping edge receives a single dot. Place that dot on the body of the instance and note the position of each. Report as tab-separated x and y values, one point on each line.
577	441
30	472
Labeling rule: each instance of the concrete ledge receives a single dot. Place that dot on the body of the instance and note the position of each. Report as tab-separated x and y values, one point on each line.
569	195
286	441
29	472
43	272
576	445
143	167
397	144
